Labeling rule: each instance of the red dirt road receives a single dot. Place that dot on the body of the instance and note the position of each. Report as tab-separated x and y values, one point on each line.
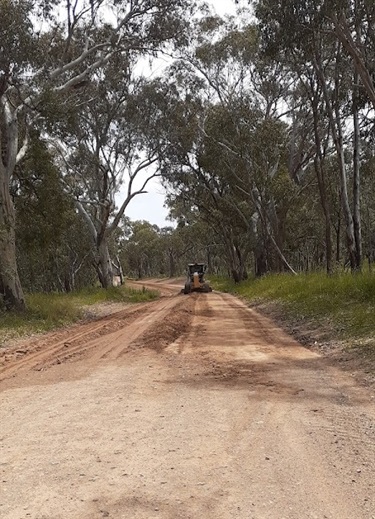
187	407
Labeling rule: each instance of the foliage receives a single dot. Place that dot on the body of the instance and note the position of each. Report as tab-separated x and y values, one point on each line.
43	69
148	251
272	155
262	130
58	246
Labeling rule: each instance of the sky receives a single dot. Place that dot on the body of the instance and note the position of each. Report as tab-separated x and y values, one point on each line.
150	206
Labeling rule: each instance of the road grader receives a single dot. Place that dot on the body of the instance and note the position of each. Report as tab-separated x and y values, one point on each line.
195	280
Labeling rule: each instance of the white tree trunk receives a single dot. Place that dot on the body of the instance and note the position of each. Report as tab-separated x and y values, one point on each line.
357	177
10	284
105	265
334	116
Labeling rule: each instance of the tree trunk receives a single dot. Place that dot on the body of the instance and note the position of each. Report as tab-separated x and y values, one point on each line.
68	283
326	213
268	233
9	278
338	238
261	267
349	224
241	263
236	261
334	116
318	163
120	271
105	265
357	178
172	266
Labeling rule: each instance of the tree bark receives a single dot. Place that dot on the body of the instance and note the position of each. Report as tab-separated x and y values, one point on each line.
105	265
261	268
345	35
9	155
172	264
9	279
349	224
232	257
318	164
333	111
265	222
357	178
338	234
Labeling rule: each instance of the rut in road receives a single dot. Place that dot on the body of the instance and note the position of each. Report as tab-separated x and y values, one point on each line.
87	339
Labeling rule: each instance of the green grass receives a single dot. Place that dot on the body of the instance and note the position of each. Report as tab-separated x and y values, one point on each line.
121	294
49	311
346	302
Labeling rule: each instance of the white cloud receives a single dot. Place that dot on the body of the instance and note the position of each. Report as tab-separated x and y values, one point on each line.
149	206
223	7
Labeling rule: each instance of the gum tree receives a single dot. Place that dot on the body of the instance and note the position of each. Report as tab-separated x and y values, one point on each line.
52	58
105	151
307	38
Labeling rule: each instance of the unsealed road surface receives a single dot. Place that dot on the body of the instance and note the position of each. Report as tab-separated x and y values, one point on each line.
188	407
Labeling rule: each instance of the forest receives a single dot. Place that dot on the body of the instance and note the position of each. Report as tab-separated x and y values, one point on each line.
260	127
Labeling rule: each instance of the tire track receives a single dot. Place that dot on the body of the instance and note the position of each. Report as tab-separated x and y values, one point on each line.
135	330
116	331
63	345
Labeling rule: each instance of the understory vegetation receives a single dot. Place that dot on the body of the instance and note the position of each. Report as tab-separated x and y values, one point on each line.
340	306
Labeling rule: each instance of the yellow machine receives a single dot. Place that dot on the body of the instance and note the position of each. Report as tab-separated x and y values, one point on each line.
195	281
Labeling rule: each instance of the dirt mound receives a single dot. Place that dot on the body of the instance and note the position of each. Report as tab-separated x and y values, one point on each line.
176	324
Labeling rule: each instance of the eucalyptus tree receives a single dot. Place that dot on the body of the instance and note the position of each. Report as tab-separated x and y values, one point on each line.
190	241
196	192
311	143
107	155
304	37
53	57
17	40
354	27
52	247
240	142
253	153
369	205
179	246
181	142
147	250
208	227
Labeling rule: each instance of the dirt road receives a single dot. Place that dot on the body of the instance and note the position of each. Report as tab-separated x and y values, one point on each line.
187	407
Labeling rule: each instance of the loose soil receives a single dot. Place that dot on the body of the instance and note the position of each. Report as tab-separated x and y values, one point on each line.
187	407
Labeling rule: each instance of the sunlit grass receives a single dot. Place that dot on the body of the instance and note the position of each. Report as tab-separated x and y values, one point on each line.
345	301
48	311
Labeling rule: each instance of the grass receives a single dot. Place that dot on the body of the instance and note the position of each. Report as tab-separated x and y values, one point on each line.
123	294
49	311
344	302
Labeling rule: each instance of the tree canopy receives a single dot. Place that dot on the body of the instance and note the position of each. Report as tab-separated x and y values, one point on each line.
260	127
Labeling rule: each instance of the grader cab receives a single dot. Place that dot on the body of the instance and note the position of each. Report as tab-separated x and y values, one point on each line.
195	281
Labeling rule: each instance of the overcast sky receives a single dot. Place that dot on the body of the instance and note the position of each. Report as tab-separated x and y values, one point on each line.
150	206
